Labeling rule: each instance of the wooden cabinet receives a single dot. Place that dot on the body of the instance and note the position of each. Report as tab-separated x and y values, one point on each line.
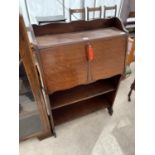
81	64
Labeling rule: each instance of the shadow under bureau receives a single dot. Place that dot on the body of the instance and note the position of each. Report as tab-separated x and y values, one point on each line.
80	66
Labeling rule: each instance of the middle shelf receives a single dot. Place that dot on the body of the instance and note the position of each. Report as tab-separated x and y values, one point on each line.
81	93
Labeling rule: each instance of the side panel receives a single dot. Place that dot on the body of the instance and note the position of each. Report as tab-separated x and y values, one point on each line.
41	128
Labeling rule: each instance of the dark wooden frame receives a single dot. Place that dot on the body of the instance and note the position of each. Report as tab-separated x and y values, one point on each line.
106	8
27	57
74	11
95	9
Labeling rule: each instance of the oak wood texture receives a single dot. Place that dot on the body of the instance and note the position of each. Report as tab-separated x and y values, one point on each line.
79	109
27	59
132	14
131	51
80	93
109	56
63	68
69	58
95	9
53	40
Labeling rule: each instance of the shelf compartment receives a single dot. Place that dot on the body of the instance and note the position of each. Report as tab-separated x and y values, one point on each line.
79	109
81	93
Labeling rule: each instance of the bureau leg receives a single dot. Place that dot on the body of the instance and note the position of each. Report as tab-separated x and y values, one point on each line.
54	133
110	111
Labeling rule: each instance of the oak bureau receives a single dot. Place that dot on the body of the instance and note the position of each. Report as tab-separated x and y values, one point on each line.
81	64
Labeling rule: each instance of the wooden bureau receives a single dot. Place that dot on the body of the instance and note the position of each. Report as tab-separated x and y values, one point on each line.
81	64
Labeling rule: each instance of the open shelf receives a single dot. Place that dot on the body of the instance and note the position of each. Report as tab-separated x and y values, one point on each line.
79	109
72	103
81	93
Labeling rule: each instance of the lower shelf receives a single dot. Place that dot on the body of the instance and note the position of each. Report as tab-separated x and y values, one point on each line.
82	92
79	109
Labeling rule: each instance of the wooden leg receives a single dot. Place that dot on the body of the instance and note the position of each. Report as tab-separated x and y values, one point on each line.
129	95
131	89
20	108
46	135
54	133
110	110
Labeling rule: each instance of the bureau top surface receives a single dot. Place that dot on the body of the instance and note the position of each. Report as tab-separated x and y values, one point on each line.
47	41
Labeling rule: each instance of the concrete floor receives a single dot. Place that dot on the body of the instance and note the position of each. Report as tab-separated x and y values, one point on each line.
94	134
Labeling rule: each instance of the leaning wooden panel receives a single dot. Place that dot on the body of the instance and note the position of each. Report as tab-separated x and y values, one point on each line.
27	58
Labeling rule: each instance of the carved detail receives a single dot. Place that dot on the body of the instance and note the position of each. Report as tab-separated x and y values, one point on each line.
75	26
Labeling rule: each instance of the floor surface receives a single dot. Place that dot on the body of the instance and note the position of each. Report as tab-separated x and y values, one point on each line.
94	134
